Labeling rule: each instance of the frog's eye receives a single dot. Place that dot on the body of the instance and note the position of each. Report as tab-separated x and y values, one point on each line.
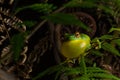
77	34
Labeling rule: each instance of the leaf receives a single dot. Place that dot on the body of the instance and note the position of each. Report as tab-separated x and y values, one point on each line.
68	71
46	8
49	71
117	41
84	77
104	37
96	73
96	52
99	76
66	19
17	42
106	9
96	43
103	76
95	70
73	71
58	74
110	48
82	4
114	29
30	23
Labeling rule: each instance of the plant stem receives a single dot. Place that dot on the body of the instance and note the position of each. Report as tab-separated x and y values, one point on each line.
83	65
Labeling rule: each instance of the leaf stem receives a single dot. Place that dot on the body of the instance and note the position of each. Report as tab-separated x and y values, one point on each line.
83	65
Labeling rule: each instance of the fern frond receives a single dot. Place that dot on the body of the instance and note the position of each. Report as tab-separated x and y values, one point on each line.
80	3
17	42
103	76
75	70
106	9
58	74
96	52
30	23
114	29
109	47
117	41
106	37
82	78
66	19
45	8
96	76
49	71
95	70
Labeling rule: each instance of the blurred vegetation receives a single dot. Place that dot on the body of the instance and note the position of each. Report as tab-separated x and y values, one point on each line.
104	44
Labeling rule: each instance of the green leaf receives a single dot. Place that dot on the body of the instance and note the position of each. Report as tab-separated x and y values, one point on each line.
104	37
84	77
40	75
58	74
103	76
96	52
66	19
82	4
97	76
117	41
114	29
96	73
72	71
110	48
49	71
106	9
96	43
95	70
46	8
29	23
17	42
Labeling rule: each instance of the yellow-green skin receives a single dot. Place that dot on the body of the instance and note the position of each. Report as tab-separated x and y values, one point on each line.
75	47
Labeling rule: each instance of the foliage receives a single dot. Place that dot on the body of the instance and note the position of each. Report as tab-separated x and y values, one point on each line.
78	73
66	19
29	23
110	48
114	29
81	3
105	42
17	42
46	8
